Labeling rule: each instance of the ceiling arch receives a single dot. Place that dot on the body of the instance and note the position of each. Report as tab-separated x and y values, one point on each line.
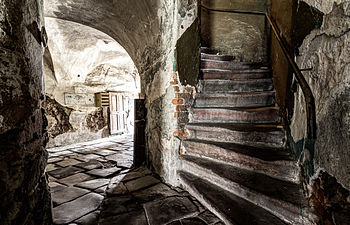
132	23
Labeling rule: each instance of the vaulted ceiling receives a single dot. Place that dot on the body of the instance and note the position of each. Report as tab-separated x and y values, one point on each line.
134	24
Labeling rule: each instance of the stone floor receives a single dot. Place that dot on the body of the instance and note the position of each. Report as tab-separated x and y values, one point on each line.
94	183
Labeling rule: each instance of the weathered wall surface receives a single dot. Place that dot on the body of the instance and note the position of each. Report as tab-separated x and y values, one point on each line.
282	75
134	23
57	116
24	194
327	51
330	199
80	62
164	88
241	35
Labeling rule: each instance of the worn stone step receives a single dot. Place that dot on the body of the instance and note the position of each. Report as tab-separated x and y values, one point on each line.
217	57
228	115
281	168
228	86
280	197
231	65
227	206
245	134
235	100
208	50
228	151
235	74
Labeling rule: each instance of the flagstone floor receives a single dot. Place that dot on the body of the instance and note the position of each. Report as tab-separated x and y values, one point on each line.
94	183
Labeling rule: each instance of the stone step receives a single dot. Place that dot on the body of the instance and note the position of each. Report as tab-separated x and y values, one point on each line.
280	166
217	57
244	134
236	74
227	206
228	86
282	198
208	50
228	115
231	65
227	151
235	100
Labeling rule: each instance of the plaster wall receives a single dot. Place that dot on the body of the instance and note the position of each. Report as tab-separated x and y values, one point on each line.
241	35
162	146
327	51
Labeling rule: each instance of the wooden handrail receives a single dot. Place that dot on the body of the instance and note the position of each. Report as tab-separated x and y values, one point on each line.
309	98
234	11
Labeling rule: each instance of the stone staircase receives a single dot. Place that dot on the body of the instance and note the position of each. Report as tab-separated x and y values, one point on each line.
235	160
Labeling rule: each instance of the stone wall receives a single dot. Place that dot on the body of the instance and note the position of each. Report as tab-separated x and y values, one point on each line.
241	35
25	199
326	51
57	116
165	91
330	199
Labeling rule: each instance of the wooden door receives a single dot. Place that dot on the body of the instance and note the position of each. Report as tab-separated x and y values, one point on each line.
118	113
113	113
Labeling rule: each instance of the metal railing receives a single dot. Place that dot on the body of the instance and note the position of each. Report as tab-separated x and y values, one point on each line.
309	98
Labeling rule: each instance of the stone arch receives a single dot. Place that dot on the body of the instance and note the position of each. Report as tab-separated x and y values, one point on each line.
134	24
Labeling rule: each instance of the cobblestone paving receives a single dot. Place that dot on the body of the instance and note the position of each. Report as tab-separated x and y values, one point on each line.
94	183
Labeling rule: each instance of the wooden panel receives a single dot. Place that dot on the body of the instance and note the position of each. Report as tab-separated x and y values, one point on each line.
102	99
118	112
113	114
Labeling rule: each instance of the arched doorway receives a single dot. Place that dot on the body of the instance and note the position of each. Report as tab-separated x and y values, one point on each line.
91	83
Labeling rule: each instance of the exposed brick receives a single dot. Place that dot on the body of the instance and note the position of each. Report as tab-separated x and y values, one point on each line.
182	107
182	117
185	133
181	151
174	82
174	76
176	114
177	101
181	133
176	88
183	95
189	89
177	132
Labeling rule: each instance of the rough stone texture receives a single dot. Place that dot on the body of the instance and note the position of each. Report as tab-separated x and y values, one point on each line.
326	50
67	194
125	195
330	199
137	20
95	120
71	211
57	116
166	210
96	62
325	6
23	187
